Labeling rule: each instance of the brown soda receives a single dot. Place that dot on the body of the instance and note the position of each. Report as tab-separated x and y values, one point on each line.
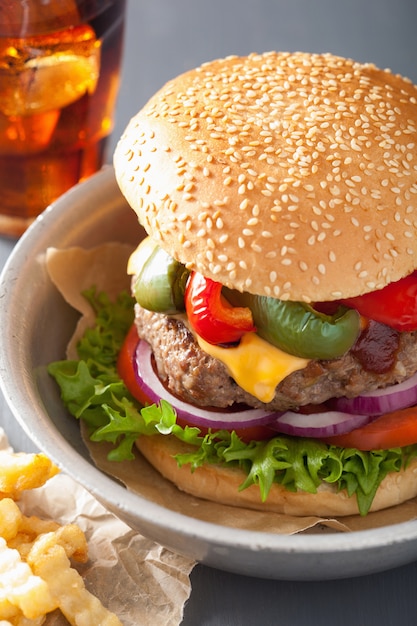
57	97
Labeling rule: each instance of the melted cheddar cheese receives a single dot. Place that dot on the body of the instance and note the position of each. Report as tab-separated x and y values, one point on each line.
256	366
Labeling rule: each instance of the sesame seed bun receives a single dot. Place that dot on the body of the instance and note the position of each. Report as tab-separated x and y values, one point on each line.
288	175
221	484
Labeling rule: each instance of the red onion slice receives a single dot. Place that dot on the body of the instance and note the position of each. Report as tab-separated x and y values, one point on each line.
315	425
318	425
380	401
153	388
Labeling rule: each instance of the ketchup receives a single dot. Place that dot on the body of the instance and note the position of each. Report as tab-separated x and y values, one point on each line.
376	348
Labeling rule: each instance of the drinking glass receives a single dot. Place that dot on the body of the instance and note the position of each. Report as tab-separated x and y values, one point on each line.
59	78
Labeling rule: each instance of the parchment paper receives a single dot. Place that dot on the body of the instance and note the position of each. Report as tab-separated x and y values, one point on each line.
150	484
140	581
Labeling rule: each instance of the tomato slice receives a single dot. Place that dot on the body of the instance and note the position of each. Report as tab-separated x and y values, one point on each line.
255	433
392	430
125	366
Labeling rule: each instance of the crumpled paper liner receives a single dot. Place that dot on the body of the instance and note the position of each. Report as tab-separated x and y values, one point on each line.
75	270
150	484
139	580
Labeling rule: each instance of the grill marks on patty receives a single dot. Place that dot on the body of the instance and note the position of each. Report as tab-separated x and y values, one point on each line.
200	379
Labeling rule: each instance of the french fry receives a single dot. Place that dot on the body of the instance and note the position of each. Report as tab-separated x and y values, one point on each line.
19	530
36	576
21	620
20	471
72	539
49	560
20	587
10	518
8	610
12	523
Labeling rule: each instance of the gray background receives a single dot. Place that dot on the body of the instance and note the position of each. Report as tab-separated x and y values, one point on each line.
167	37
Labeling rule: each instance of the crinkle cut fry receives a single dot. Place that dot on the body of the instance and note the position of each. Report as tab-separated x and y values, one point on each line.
20	471
50	561
26	597
23	596
14	523
21	620
20	587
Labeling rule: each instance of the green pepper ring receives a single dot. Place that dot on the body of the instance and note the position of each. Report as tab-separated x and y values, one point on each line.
294	327
160	285
298	329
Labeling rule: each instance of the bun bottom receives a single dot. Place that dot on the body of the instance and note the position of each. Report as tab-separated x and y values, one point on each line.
220	484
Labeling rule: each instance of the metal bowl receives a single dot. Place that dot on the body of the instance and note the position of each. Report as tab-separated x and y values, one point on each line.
36	324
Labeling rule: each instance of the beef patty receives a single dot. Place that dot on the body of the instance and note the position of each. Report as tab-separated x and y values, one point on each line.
200	379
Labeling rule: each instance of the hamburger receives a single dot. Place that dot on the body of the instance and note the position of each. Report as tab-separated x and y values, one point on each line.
276	288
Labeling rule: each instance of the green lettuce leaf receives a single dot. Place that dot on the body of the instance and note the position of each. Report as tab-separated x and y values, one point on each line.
92	391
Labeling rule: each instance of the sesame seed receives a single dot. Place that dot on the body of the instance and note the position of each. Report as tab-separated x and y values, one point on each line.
307	147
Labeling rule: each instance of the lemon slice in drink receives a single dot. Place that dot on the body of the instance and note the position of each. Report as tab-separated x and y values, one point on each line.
49	82
55	81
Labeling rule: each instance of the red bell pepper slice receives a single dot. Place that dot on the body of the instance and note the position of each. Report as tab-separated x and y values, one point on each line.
211	316
395	305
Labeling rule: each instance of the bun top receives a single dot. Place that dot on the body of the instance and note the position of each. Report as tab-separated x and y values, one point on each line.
287	175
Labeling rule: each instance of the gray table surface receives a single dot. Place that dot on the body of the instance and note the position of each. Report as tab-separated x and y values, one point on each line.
163	39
